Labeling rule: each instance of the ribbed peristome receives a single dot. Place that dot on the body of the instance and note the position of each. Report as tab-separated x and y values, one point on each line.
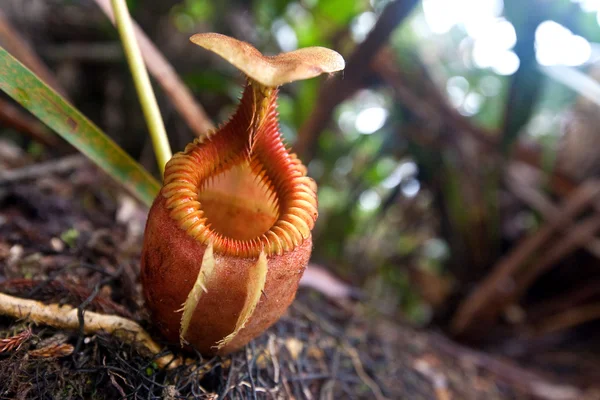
248	148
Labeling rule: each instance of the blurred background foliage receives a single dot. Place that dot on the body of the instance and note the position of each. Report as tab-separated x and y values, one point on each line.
416	163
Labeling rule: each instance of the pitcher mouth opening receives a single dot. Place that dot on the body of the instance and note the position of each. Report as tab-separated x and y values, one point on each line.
241	188
239	204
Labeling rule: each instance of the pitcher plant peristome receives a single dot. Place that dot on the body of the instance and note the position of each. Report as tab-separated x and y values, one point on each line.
229	235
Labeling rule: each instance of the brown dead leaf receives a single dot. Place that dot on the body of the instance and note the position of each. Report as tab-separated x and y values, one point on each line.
15	342
53	351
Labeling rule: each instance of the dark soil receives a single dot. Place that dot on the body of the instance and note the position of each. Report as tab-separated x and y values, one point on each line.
74	238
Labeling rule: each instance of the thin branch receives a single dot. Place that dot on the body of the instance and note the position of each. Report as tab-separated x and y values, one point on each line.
65	317
569	318
557	304
165	74
576	237
494	285
542	204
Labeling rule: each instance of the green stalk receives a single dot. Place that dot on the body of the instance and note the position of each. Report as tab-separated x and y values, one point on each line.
53	110
141	80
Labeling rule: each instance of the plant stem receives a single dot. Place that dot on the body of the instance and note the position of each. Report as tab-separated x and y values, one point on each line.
142	84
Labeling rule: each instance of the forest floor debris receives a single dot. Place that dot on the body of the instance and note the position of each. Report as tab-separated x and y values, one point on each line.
319	349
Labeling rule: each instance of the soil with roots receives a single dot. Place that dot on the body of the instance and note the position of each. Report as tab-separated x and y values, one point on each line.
73	237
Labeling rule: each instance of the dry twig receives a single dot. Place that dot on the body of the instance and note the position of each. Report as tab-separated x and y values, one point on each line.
65	317
569	318
576	236
538	201
570	300
496	285
53	351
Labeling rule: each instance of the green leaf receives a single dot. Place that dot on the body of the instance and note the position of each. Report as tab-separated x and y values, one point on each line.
340	12
208	81
70	237
28	90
